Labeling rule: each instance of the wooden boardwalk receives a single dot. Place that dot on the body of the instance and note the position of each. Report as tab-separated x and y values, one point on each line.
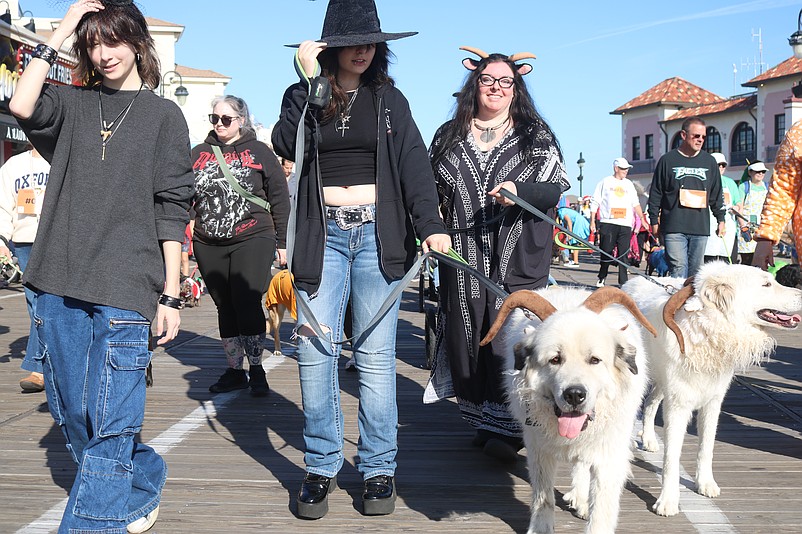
235	462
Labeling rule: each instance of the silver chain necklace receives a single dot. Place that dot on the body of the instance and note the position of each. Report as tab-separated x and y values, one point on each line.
341	124
108	129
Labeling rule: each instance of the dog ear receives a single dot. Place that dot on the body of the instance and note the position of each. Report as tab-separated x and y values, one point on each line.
625	355
522	351
721	294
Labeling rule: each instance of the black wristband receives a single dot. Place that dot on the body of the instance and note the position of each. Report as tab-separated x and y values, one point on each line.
48	53
171	302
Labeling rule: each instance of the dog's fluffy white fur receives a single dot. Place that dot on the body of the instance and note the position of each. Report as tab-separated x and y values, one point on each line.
725	329
591	369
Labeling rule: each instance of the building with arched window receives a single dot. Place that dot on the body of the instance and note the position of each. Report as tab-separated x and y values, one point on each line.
745	128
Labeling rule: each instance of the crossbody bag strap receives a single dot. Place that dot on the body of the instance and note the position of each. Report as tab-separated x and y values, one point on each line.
262	203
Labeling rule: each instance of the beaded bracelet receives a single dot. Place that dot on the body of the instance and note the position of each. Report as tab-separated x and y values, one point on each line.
48	53
171	302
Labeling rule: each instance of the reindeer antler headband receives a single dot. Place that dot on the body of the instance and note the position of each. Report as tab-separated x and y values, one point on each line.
472	64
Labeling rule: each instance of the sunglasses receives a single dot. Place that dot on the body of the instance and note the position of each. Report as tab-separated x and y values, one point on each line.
225	119
722	164
695	136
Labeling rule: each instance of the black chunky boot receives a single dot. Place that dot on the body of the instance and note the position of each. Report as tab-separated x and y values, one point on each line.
313	499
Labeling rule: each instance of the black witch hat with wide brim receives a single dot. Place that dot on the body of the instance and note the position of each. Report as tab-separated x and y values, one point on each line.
354	23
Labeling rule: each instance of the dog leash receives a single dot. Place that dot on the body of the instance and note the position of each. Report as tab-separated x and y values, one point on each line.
533	210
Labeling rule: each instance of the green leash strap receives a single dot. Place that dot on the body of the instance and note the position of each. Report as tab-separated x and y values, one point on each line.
247	195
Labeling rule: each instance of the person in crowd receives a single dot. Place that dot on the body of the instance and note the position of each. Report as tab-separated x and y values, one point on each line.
577	224
122	179
496	140
617	203
724	248
374	186
23	180
753	194
236	237
292	178
783	202
685	185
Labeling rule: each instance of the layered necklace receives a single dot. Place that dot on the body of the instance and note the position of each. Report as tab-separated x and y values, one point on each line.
341	124
489	132
108	129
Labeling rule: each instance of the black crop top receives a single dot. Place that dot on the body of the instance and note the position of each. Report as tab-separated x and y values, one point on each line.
347	155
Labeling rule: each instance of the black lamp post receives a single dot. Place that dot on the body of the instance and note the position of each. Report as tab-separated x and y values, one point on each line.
30	25
580	163
6	17
796	43
181	93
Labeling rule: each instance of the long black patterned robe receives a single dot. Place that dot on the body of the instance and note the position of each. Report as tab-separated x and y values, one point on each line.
514	252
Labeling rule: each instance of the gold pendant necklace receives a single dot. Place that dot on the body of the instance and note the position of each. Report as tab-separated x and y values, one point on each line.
108	129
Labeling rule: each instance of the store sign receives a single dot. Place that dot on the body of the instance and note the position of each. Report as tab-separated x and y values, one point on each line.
60	72
12	133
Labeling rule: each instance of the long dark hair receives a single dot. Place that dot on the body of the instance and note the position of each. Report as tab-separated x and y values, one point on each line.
114	25
374	77
528	122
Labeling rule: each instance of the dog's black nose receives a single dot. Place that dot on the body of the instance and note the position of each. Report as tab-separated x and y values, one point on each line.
575	395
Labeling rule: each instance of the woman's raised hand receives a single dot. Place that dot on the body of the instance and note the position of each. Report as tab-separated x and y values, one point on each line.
76	12
308	51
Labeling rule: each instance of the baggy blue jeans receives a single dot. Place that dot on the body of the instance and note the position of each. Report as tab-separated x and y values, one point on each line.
94	359
350	270
29	363
685	253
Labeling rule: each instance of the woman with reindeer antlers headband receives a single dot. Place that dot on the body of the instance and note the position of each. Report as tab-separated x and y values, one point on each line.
107	254
495	140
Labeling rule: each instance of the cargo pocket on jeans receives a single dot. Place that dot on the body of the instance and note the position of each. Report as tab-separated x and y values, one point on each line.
123	403
105	486
51	392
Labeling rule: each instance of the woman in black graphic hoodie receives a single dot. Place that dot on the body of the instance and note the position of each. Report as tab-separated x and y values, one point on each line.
236	239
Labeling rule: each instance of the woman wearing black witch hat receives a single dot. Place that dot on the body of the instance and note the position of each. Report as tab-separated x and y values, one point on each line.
120	184
365	189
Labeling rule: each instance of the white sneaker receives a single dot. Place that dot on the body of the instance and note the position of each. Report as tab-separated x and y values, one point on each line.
600	283
572	264
143	524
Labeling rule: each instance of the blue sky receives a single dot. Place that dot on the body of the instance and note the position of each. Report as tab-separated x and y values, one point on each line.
592	56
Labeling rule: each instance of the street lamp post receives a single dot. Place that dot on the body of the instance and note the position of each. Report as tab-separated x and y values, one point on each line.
796	43
181	93
580	163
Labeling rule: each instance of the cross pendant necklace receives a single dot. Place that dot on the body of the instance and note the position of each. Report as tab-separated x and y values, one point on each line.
341	125
105	134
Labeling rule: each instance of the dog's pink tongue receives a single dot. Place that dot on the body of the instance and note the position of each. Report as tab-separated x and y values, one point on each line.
570	425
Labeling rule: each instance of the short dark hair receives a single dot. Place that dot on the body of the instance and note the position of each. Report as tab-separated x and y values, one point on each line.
114	25
692	120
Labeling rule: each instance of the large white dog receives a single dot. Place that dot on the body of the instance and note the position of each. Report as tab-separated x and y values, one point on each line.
717	324
581	380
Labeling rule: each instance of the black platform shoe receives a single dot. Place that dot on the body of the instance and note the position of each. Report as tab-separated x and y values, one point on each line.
379	495
313	499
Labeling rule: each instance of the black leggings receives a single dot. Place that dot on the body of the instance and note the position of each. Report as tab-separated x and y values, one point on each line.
237	276
611	235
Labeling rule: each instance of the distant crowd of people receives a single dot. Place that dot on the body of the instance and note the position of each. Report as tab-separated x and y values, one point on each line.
348	219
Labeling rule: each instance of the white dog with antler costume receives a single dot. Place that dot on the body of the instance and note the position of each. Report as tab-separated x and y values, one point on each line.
717	324
581	381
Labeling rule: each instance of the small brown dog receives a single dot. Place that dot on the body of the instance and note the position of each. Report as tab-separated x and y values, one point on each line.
279	298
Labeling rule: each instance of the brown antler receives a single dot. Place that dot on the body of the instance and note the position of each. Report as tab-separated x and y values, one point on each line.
603	297
481	53
522	55
676	301
520	299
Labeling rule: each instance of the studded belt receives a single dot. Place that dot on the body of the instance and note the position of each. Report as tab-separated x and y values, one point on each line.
348	217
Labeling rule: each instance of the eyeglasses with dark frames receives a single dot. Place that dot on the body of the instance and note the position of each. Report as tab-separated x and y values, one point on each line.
225	119
505	82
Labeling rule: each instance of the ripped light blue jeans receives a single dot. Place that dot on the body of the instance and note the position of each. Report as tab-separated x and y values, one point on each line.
350	270
94	359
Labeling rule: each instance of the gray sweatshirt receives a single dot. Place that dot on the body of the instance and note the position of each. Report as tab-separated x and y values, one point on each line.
102	220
